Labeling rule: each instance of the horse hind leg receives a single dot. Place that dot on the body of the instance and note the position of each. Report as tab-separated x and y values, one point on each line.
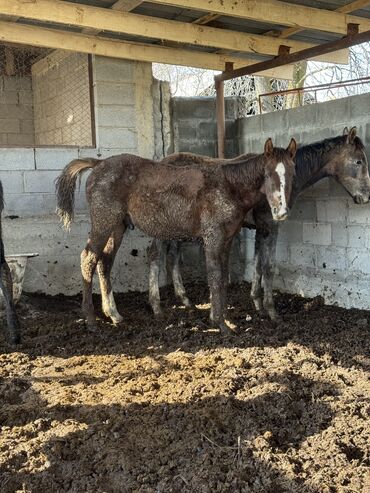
104	268
6	285
175	255
268	264
89	259
156	252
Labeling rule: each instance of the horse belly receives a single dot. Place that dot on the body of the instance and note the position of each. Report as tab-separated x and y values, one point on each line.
163	215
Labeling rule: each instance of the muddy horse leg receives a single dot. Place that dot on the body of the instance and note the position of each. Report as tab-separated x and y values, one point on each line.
89	259
214	246
105	265
6	285
175	255
256	290
156	252
268	258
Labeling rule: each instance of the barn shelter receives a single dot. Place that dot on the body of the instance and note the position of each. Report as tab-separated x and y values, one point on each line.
76	81
237	37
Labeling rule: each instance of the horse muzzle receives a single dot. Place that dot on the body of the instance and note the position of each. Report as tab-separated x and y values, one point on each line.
361	199
279	214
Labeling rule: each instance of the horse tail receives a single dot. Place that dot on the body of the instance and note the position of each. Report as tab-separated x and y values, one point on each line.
65	186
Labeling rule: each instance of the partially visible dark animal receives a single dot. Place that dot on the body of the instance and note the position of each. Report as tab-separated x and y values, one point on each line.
6	286
342	158
168	202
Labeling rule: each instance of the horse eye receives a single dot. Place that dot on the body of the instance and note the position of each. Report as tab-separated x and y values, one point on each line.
358	162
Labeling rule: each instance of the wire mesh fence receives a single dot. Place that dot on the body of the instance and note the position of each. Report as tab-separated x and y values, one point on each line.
45	97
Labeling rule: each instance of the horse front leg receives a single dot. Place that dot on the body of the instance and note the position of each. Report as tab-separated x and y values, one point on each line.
156	252
268	261
104	268
214	260
6	285
175	255
256	290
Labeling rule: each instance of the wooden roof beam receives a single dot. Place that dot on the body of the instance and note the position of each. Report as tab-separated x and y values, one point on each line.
100	19
276	12
345	9
52	38
309	53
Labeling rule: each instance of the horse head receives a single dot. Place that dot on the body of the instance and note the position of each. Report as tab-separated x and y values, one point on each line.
279	173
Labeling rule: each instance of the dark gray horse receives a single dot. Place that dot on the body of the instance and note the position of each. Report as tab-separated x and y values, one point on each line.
6	286
341	157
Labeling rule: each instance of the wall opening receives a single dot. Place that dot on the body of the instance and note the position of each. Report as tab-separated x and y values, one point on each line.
46	98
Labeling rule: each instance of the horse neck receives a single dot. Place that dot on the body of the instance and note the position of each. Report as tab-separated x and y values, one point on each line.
310	164
245	175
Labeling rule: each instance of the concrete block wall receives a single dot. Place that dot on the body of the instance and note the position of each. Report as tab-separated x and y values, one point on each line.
61	99
324	246
124	123
194	125
16	111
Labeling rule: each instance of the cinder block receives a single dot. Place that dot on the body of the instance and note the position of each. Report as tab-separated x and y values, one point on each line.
333	111
316	233
339	235
185	130
123	94
273	123
207	130
337	190
303	210
282	252
9	125
358	260
367	133
113	69
116	138
359	106
330	257
27	127
7	97
359	237
300	117
21	140
331	210
17	159
189	108
12	182
358	214
17	83
116	116
290	232
40	181
54	159
204	148
29	204
250	126
300	254
231	108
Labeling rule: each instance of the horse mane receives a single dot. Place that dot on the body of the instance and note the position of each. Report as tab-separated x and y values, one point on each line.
309	157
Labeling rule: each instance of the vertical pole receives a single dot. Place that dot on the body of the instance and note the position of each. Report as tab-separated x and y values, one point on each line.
220	114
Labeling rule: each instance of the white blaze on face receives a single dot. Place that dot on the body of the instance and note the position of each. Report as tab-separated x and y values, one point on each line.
280	170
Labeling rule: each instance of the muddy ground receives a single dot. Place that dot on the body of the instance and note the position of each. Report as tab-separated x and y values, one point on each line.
171	406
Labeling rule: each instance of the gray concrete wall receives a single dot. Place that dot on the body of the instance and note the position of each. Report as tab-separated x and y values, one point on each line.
16	111
194	125
324	246
123	93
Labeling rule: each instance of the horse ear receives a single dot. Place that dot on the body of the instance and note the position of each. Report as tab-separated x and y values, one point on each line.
269	148
345	131
352	135
292	148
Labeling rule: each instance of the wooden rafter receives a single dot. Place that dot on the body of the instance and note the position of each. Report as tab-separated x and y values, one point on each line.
98	19
279	61
57	39
345	9
276	12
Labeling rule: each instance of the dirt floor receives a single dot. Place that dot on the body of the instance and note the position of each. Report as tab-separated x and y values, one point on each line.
172	406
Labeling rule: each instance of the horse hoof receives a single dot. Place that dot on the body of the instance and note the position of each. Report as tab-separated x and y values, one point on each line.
226	327
91	325
117	319
186	302
158	312
258	304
